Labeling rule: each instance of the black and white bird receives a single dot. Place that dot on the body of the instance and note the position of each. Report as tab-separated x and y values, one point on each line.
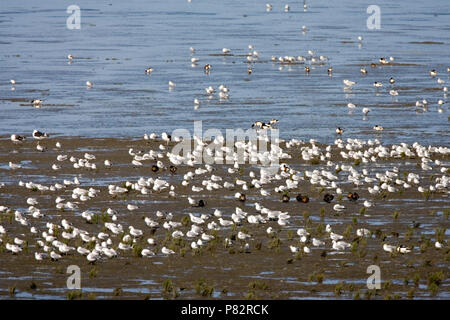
263	125
273	121
377	84
40	148
17	138
40	135
378	128
383	61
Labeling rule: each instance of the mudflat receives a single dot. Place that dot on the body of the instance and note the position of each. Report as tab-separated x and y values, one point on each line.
262	264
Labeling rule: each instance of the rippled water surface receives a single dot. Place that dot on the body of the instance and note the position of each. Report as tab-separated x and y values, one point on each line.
118	40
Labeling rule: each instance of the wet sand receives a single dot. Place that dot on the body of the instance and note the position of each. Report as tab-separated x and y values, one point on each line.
268	270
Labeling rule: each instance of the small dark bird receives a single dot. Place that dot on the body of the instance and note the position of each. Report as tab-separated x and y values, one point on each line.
373	65
299	197
307	69
242	197
201	203
285	198
155	168
207	68
305	199
173	169
328	198
391	80
352	196
330	70
249	70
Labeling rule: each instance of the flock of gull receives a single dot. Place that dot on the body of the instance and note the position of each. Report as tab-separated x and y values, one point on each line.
56	240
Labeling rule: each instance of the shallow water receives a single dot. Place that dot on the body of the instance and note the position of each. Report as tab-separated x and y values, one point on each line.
118	41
